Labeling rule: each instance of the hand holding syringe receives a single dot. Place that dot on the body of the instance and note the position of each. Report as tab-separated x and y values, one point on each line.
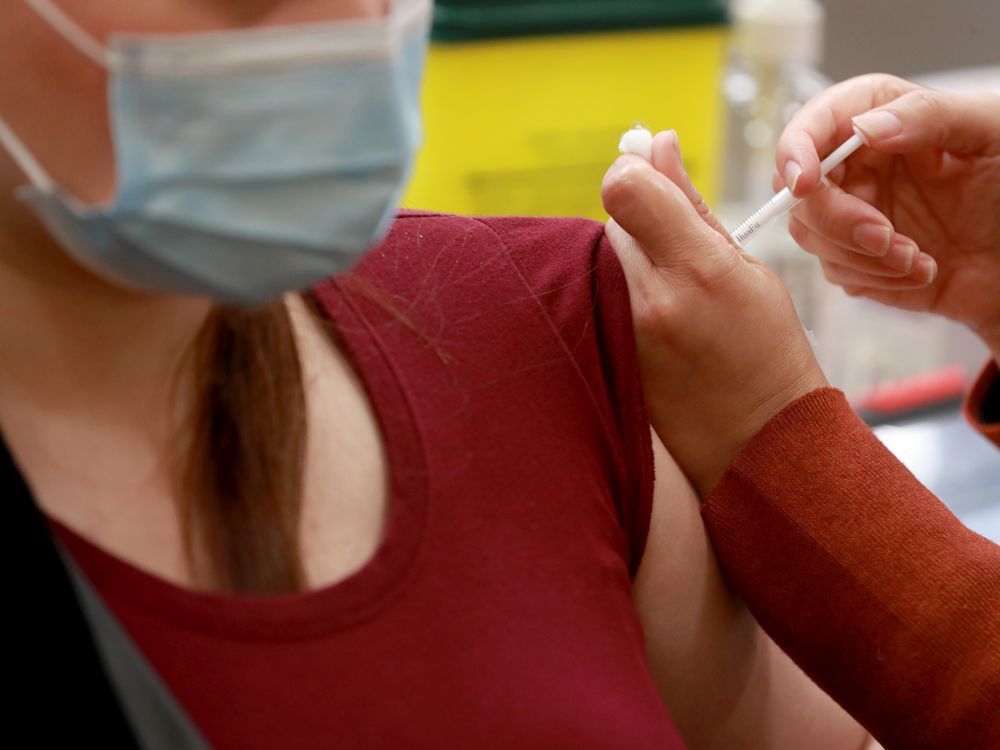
639	141
785	201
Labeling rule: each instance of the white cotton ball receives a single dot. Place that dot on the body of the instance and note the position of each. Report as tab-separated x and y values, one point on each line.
638	141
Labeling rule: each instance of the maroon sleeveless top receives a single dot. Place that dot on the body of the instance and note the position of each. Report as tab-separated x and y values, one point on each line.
496	613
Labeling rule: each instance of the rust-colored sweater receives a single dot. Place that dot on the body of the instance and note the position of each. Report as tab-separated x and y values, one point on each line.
868	582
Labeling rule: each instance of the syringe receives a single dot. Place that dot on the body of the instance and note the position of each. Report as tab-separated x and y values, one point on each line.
785	201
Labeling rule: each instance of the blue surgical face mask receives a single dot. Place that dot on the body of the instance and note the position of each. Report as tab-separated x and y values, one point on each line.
249	163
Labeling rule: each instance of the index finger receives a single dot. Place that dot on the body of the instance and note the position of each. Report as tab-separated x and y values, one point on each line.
824	123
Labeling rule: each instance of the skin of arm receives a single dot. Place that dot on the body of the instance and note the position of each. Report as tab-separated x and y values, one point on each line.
724	681
707	317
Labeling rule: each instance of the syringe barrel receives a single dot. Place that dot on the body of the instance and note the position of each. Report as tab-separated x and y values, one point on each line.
785	201
778	205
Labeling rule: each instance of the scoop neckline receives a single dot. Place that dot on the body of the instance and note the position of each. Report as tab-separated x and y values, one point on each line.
344	603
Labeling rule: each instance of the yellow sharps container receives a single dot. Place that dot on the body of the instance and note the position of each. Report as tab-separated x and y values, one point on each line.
524	102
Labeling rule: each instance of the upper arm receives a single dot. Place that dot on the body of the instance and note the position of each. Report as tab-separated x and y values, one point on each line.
724	681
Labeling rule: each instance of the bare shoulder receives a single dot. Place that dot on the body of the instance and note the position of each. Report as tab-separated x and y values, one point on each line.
724	681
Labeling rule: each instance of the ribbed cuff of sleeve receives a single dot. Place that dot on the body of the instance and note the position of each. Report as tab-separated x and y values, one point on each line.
791	437
874	588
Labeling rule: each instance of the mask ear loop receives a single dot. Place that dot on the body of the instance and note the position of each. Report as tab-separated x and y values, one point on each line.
71	31
24	159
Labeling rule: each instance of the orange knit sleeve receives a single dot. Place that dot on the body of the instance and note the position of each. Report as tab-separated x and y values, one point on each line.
863	577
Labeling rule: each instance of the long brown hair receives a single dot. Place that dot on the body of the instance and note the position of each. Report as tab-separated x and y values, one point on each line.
241	459
240	464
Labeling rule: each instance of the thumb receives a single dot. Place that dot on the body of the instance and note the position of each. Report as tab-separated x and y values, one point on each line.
657	213
925	118
667	159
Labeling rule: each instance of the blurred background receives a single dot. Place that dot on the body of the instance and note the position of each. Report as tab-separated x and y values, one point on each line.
525	100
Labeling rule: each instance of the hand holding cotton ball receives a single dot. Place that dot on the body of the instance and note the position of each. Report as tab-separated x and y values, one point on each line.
638	141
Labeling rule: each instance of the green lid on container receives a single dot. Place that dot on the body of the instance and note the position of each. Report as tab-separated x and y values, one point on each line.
462	20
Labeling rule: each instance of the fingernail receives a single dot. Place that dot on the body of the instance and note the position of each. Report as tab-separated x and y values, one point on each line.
792	173
873	238
900	256
926	269
879	125
677	143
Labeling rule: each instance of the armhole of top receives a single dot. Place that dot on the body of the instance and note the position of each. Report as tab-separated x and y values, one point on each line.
591	274
619	359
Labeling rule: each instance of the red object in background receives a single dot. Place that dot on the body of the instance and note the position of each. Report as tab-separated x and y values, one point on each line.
946	385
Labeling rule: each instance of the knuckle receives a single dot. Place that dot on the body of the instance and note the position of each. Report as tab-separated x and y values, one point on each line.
795	142
846	257
990	100
800	148
798	231
928	104
653	315
853	290
882	82
827	217
882	87
620	182
713	278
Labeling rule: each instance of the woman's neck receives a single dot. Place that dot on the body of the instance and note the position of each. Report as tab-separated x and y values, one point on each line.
74	344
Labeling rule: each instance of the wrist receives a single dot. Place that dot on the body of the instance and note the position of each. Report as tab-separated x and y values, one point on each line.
808	381
710	442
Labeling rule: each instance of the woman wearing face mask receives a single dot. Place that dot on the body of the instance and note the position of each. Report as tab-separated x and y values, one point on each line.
407	507
874	587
